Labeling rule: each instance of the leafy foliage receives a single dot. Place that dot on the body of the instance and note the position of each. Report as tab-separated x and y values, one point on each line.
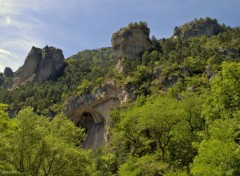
219	154
37	146
162	130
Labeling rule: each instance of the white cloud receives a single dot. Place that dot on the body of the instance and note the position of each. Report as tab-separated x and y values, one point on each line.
18	31
16	7
1	68
8	21
7	59
5	52
27	23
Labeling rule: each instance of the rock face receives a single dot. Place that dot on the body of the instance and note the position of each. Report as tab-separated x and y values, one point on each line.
131	41
40	65
206	27
91	112
166	80
8	72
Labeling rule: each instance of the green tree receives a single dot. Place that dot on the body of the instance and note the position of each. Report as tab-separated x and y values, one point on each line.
4	119
224	98
37	146
185	132
219	152
85	87
194	65
146	128
159	116
148	165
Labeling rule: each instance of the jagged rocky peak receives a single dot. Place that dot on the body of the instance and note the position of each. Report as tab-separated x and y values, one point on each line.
129	42
203	26
40	65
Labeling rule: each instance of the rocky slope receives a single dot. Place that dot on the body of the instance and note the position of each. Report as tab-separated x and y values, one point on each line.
203	26
40	65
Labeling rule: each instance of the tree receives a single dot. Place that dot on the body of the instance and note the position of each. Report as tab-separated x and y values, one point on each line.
159	116
185	132
147	165
37	146
4	120
224	98
85	87
219	152
194	65
155	43
148	127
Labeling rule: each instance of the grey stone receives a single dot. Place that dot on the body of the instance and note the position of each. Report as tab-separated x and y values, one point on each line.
130	42
40	65
91	112
202	27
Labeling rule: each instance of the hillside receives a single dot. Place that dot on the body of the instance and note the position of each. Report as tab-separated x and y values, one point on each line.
147	106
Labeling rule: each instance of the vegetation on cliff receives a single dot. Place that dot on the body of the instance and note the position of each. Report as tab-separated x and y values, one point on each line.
182	118
198	27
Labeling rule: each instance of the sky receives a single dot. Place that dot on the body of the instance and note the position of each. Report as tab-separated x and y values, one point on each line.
76	25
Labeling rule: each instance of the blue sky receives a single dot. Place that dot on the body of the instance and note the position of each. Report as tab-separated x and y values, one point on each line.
76	25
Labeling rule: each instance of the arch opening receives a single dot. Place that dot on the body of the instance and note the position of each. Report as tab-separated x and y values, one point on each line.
93	123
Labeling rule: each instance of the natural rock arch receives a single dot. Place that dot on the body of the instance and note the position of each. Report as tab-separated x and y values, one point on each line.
91	112
94	124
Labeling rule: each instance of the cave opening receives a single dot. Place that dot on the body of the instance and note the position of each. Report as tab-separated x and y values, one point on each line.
93	123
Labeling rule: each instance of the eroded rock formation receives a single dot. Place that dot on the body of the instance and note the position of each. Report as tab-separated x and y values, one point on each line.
130	42
40	65
91	112
203	26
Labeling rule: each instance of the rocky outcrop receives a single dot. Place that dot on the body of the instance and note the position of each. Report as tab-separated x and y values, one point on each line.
91	112
8	72
164	80
198	27
130	42
40	65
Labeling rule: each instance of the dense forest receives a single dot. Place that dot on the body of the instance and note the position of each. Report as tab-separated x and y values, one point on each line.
184	122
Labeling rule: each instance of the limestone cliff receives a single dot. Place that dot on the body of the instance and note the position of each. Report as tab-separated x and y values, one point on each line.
131	41
91	112
203	26
40	65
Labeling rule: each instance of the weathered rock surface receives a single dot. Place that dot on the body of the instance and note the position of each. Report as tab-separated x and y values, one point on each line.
40	65
206	27
91	112
166	80
130	42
